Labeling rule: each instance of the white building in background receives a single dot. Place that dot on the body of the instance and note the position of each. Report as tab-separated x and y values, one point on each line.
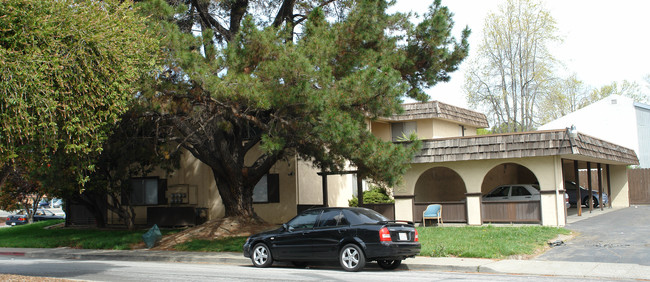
616	119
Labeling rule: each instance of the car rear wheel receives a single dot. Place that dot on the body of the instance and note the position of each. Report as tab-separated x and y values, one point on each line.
389	264
586	202
352	258
595	202
261	256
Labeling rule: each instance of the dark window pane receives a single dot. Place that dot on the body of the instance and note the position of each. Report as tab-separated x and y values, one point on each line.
520	191
333	218
305	220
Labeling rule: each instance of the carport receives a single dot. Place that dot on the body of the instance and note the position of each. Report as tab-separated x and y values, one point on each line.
456	172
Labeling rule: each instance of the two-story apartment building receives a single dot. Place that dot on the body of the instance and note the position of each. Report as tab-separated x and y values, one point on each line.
455	167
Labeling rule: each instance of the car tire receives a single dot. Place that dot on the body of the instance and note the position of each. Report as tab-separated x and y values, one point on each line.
352	258
261	256
389	264
586	202
595	202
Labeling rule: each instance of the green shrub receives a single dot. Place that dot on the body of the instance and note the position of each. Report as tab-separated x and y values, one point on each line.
376	195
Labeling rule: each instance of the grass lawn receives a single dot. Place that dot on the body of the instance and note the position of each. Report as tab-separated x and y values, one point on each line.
467	241
36	236
485	241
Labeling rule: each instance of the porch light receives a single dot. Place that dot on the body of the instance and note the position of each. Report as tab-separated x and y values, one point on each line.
573	133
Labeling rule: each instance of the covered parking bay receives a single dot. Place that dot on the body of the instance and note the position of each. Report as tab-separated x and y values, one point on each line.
456	172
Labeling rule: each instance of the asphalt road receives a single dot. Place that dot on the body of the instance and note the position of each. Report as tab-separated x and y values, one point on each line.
620	236
163	271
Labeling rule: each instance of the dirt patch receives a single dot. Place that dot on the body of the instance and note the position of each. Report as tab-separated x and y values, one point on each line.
214	229
557	241
11	277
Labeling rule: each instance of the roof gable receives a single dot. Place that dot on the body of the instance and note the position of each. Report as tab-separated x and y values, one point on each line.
435	109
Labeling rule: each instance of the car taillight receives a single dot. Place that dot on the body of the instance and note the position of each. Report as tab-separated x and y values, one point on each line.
384	235
417	237
21	219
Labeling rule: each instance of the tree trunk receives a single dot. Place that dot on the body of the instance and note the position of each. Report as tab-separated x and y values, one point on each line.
236	197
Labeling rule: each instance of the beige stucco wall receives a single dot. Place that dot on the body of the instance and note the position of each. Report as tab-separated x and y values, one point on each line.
192	172
195	173
620	197
404	209
381	130
339	187
426	129
286	209
547	170
443	128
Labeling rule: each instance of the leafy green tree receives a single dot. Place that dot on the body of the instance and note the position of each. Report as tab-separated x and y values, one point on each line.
274	79
22	191
513	68
625	88
67	73
563	97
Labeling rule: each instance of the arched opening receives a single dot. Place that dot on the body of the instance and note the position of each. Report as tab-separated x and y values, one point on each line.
508	173
511	194
441	185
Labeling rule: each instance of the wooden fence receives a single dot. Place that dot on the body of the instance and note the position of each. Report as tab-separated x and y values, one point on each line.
451	211
515	211
639	183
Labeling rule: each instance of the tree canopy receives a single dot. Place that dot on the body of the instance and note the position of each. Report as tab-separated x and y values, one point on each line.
513	68
67	72
295	78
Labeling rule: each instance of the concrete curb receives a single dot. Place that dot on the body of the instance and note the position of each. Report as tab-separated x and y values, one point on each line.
467	265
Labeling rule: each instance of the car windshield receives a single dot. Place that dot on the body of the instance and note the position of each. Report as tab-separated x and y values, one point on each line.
366	216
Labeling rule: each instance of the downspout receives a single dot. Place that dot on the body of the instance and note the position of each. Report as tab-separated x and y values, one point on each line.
557	196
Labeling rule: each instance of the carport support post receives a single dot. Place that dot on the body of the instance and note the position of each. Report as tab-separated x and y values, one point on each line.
324	175
577	176
600	186
609	188
360	189
590	201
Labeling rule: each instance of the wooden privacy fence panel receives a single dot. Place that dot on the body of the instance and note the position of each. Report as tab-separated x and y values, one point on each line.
529	211
639	184
451	211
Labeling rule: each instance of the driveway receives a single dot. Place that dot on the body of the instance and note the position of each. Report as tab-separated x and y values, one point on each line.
619	236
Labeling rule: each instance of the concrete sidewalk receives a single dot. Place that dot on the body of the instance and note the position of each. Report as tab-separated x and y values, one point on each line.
521	267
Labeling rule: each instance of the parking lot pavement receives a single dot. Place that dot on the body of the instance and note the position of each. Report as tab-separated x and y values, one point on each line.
618	236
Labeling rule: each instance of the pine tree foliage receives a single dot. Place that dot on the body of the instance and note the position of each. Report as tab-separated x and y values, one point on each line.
249	83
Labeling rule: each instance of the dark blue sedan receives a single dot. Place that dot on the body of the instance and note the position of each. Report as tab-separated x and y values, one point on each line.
21	217
572	191
351	236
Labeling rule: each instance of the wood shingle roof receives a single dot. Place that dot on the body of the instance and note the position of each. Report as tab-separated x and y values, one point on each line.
435	109
522	145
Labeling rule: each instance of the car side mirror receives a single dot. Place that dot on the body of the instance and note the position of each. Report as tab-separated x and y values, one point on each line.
287	227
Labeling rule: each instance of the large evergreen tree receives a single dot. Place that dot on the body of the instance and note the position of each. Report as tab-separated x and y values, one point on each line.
271	79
